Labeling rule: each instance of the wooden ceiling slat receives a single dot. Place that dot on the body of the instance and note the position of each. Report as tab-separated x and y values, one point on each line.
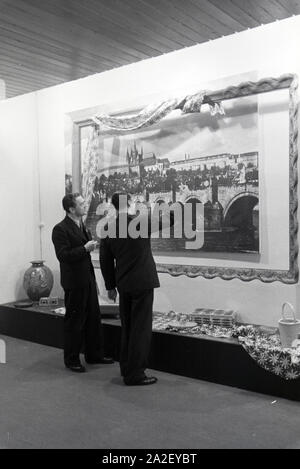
204	20
148	29
216	18
119	34
38	61
97	18
12	78
42	56
15	89
234	10
8	68
19	64
193	19
9	85
18	88
63	36
18	83
115	39
12	91
162	13
254	9
114	16
44	43
263	8
23	80
24	83
65	31
291	6
62	50
142	12
277	9
155	26
185	23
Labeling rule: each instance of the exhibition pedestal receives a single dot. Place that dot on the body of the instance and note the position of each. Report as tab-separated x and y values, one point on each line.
222	361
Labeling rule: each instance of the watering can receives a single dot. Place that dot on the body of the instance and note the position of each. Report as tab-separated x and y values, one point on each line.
289	327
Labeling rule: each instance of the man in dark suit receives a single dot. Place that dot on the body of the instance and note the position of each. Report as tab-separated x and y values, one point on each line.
127	264
82	323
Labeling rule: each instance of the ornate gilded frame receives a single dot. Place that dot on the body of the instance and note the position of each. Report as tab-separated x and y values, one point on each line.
290	276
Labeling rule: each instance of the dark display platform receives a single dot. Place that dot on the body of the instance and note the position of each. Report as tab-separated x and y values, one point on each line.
222	361
39	323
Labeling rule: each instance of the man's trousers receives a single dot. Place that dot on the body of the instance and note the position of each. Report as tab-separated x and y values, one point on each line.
136	318
82	324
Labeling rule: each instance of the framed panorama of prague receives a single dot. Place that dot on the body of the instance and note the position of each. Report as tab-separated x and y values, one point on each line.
241	164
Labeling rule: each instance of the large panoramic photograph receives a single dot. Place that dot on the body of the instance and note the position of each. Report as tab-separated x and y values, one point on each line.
202	157
197	158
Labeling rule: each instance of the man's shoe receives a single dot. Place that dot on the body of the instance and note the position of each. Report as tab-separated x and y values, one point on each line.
142	382
76	368
100	361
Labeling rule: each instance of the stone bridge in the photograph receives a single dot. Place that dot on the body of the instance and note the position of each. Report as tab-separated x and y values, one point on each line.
227	195
237	202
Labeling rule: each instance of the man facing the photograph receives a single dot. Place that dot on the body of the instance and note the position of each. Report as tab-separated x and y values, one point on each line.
127	264
82	322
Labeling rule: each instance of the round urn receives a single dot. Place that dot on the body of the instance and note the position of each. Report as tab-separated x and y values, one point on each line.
38	280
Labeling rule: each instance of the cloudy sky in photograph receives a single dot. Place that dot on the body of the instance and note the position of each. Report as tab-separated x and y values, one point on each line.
196	135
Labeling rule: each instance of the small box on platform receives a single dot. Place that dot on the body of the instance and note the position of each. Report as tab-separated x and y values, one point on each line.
48	301
214	317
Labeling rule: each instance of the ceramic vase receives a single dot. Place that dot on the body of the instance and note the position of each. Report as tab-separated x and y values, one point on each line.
38	281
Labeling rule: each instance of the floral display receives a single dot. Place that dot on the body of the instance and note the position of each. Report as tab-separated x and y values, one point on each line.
267	351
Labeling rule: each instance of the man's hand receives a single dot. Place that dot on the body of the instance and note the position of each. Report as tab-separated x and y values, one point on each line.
91	246
112	294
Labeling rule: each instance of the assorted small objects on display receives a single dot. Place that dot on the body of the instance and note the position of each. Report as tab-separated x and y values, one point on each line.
49	301
202	321
61	311
289	326
263	344
23	304
215	317
165	321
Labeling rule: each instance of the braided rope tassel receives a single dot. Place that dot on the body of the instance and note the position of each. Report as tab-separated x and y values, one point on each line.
262	86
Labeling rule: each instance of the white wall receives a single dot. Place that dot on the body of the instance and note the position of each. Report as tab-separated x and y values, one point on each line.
19	232
269	50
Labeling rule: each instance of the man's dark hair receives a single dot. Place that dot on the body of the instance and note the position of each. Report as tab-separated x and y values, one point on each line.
115	200
69	201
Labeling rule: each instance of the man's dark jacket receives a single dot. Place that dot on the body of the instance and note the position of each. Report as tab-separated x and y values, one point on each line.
128	263
76	266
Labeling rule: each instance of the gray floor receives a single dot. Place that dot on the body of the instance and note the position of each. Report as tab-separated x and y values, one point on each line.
42	405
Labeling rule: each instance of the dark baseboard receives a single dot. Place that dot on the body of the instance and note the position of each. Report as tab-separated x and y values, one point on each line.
222	361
